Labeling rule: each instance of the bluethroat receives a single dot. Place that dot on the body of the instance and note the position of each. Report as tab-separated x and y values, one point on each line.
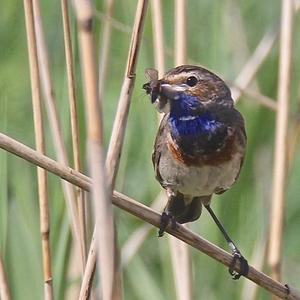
200	145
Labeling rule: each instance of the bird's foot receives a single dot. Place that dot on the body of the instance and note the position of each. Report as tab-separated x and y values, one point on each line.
164	222
243	265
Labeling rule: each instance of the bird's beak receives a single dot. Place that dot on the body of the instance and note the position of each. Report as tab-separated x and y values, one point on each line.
171	91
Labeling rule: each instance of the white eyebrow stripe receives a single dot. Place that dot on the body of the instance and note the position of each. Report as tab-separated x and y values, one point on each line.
187	118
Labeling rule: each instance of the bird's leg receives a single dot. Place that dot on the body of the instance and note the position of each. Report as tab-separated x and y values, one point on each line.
164	222
235	252
166	217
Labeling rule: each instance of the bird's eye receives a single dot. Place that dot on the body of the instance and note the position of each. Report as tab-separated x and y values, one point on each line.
191	81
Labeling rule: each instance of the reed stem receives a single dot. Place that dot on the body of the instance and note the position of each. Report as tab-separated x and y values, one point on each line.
40	146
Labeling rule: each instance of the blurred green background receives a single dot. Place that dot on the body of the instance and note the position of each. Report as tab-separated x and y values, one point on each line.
221	35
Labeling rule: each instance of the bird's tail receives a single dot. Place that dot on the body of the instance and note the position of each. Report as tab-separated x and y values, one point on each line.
185	210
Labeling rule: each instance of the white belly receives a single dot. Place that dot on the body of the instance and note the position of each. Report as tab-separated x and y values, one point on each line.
198	181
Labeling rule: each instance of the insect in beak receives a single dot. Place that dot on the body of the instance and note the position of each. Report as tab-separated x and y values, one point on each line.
153	86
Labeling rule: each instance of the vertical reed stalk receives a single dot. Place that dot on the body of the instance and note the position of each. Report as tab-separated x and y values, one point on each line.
74	123
180	32
101	201
158	37
40	146
280	155
118	132
158	41
105	44
179	251
119	127
50	101
293	140
4	288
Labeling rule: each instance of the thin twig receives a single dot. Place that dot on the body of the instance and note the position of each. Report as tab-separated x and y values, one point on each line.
250	68
101	200
4	288
260	98
255	61
146	214
136	239
74	123
238	90
40	146
118	132
280	155
116	24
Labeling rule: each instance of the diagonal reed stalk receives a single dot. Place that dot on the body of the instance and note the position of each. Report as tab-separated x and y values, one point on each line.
118	132
239	90
146	214
260	98
74	123
255	61
100	188
40	146
259	55
250	69
137	237
280	155
50	102
4	288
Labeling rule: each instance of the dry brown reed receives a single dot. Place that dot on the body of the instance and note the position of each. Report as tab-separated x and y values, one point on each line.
146	214
102	189
136	239
180	256
105	44
118	131
101	200
74	124
158	37
280	155
4	288
50	103
40	146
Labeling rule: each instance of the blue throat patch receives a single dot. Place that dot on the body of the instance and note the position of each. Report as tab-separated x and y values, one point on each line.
183	122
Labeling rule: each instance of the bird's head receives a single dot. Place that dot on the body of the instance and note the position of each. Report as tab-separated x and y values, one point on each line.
185	89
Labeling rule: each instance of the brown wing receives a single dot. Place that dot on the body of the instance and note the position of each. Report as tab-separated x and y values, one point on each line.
236	122
159	146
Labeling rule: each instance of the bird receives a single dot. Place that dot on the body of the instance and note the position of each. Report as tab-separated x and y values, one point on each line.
199	147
